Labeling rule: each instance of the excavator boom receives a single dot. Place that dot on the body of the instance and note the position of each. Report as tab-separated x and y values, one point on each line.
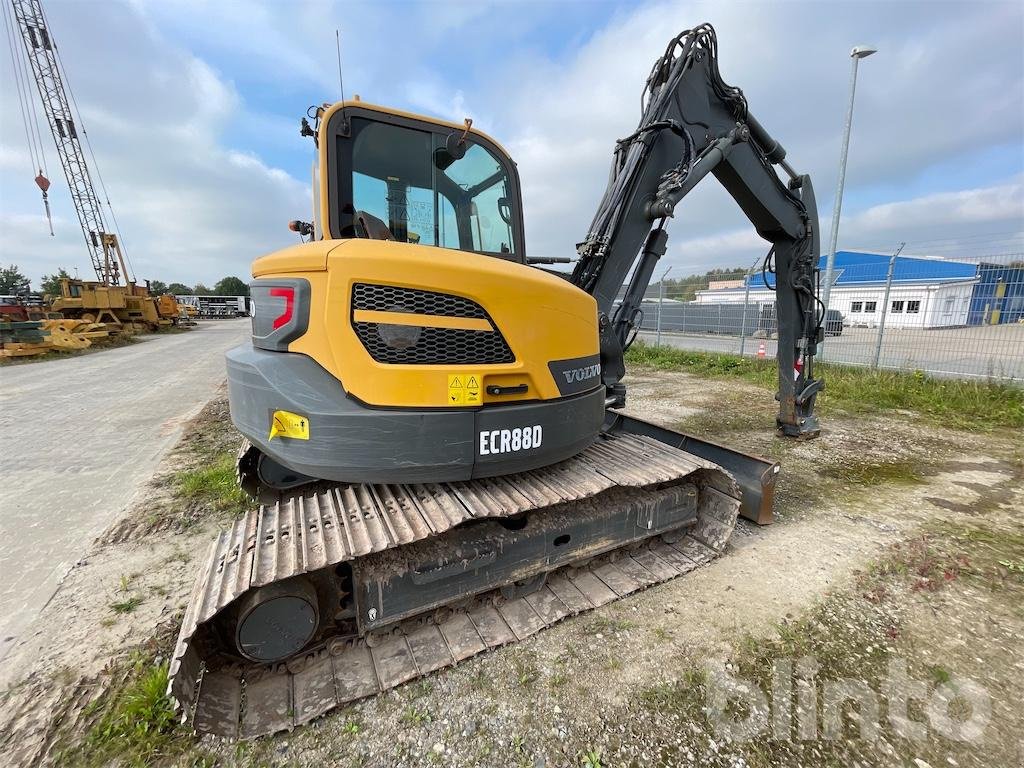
694	124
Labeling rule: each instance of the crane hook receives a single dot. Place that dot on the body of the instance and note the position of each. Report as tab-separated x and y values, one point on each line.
44	184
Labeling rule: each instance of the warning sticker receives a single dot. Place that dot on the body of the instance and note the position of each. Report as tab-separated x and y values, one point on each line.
464	388
288	424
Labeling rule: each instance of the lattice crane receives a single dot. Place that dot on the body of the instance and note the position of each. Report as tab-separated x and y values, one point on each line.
104	247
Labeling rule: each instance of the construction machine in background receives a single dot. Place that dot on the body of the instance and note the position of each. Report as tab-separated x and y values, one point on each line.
121	308
434	421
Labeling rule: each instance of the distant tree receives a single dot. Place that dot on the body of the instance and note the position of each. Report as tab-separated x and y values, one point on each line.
202	290
685	288
231	286
179	289
157	287
51	283
12	281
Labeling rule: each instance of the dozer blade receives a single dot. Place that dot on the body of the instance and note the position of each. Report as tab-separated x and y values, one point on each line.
755	475
365	587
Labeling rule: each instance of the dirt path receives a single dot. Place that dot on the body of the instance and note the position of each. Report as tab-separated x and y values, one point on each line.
607	682
81	435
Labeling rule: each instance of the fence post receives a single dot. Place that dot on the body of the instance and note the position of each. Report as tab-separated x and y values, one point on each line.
661	303
885	308
746	302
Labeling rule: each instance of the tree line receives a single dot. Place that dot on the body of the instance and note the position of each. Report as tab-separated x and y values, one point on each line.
685	288
13	282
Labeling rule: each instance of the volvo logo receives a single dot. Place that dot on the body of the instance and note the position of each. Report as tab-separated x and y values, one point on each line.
581	374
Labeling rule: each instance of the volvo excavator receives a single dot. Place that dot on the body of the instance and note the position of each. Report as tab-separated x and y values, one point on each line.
433	418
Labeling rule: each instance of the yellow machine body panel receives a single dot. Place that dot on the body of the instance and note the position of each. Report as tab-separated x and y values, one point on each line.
542	317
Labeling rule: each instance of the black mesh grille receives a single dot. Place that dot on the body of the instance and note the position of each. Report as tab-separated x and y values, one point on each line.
389	298
437	346
426	346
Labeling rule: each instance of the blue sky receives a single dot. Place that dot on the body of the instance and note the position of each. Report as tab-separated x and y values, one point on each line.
193	109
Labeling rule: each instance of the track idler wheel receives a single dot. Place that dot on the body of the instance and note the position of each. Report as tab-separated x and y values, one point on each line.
277	621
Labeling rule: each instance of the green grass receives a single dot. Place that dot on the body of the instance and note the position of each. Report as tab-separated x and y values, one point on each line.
133	723
974	405
213	484
872	472
127	605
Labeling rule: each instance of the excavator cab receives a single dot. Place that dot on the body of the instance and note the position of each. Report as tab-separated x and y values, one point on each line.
393	176
409	339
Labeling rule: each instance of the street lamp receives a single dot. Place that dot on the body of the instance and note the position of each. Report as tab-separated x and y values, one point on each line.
858	53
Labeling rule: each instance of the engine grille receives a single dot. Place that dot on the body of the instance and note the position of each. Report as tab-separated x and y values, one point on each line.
390	298
438	346
426	345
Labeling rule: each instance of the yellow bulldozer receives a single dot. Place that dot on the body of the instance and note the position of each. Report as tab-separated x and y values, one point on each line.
122	308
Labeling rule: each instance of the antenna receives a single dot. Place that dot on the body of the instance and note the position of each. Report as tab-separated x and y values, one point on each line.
341	81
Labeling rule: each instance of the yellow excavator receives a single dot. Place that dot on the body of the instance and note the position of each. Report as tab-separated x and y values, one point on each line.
433	417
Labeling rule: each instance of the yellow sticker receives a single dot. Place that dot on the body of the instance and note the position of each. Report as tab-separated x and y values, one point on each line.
288	424
464	388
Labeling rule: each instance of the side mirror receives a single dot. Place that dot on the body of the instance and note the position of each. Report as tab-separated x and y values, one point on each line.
454	148
456	145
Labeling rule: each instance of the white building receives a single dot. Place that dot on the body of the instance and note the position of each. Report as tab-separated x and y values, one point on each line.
925	292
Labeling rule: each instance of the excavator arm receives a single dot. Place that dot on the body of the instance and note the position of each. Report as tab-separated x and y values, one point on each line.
694	124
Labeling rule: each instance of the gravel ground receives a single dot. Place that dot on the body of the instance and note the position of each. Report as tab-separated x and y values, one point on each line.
627	683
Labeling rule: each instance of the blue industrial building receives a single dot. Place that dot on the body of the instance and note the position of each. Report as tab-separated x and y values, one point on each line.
925	292
998	296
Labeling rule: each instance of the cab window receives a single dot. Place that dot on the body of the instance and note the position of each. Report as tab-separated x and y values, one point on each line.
404	184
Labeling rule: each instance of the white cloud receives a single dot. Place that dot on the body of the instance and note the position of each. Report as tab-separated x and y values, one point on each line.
190	207
186	110
1003	202
946	223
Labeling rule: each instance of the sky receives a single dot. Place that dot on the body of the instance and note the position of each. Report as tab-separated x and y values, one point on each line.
193	107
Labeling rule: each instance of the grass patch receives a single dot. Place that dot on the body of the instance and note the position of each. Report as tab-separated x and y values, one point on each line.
213	485
526	670
133	723
414	716
870	472
128	605
973	405
600	623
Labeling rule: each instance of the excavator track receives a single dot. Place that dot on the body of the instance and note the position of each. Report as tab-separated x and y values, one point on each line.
673	510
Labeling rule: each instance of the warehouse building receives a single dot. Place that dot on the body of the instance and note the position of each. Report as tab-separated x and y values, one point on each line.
998	297
925	292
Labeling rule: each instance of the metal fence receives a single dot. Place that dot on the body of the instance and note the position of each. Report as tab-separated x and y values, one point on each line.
947	317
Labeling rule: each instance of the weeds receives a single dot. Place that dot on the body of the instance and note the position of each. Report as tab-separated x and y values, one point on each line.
526	671
974	405
873	472
134	723
661	634
415	717
557	680
213	484
127	605
610	624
